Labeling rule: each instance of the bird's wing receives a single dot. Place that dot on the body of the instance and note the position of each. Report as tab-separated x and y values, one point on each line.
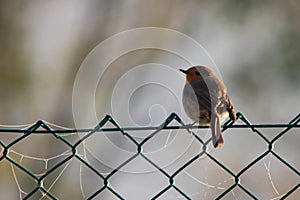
230	108
208	93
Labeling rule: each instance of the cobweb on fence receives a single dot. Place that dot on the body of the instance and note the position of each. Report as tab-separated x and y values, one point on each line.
46	161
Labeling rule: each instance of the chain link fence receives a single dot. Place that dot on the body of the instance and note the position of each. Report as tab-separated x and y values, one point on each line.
40	190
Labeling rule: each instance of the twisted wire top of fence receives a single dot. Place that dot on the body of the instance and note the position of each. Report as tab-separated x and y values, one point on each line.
40	190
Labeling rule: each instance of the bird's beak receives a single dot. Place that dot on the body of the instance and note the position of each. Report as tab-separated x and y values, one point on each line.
183	71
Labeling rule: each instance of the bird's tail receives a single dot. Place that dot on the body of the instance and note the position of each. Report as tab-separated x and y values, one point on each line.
217	138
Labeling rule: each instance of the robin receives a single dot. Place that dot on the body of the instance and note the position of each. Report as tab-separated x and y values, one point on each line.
205	100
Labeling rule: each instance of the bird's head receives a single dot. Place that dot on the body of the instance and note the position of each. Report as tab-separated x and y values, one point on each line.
196	73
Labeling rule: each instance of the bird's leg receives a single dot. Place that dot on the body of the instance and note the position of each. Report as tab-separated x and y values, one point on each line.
191	127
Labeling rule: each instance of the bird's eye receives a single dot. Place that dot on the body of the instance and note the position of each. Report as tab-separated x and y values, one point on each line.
197	73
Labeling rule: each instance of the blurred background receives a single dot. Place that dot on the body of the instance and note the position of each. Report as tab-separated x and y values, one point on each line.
255	45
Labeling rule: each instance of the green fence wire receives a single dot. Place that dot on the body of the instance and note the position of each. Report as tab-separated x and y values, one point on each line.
41	127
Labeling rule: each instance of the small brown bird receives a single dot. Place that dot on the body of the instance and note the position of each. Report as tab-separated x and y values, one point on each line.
205	100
